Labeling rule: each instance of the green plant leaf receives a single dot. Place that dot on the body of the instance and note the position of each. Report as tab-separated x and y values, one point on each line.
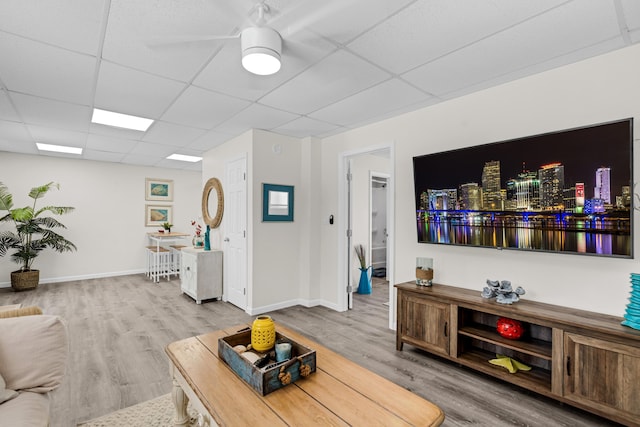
33	233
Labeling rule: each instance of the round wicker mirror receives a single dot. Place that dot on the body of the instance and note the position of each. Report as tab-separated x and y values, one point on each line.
217	203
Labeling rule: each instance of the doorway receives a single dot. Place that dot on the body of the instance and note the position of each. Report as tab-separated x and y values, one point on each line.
355	171
378	224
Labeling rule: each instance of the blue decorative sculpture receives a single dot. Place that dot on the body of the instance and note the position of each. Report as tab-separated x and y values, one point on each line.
502	291
632	314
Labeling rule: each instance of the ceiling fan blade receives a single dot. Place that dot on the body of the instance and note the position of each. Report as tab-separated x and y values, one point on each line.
304	14
185	39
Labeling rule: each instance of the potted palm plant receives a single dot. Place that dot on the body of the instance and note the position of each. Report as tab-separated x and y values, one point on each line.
34	232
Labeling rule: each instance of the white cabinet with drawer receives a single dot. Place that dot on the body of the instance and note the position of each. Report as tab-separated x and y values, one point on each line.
201	274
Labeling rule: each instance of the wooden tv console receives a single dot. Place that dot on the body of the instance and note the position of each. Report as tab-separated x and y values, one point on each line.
578	357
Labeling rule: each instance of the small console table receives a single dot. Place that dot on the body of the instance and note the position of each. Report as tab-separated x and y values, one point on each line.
201	273
578	357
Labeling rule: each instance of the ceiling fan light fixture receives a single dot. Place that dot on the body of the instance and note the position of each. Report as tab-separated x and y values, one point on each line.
261	48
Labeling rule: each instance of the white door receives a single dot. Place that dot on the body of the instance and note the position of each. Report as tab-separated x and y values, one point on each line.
235	232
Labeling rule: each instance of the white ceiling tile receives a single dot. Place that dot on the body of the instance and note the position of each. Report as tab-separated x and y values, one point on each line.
102	156
631	9
134	92
13	131
597	49
338	20
256	117
133	41
152	150
172	134
12	146
54	136
305	126
35	68
209	140
203	109
564	30
110	144
55	114
72	24
334	78
7	112
140	159
176	164
370	104
427	30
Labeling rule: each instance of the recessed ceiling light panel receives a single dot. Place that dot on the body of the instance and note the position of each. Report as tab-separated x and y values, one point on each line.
120	120
184	158
58	148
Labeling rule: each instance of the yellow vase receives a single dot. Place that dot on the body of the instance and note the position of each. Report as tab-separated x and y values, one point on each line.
263	334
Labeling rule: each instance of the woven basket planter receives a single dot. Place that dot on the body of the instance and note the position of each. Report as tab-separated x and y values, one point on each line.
25	280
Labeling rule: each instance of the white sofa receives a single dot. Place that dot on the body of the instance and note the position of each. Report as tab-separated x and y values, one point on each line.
33	358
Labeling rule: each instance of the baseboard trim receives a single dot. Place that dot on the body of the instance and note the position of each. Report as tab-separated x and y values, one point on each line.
82	277
254	311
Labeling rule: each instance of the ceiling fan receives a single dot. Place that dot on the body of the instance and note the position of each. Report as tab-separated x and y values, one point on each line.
261	45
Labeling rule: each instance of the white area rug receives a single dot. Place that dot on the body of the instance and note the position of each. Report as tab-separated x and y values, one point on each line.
158	412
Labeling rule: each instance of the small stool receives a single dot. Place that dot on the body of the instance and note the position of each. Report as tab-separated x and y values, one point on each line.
158	262
176	257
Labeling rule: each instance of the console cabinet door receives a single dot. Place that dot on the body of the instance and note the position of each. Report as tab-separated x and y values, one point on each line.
603	374
189	274
424	323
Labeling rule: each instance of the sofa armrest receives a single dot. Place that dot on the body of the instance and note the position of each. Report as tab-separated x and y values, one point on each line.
33	352
24	311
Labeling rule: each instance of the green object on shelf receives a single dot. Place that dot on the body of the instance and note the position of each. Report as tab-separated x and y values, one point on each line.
509	364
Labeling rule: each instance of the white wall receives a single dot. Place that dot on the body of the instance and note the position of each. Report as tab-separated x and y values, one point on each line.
276	245
108	224
280	255
593	91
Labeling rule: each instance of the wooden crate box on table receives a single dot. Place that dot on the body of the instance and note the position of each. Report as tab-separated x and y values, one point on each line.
264	381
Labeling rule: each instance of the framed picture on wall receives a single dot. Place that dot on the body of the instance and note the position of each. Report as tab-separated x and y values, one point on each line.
277	203
157	215
159	190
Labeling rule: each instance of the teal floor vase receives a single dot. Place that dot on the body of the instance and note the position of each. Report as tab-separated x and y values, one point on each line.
364	286
632	314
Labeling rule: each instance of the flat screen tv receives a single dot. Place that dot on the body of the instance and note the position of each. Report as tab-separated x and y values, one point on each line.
567	192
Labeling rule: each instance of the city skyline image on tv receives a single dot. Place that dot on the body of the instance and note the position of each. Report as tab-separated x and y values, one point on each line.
567	191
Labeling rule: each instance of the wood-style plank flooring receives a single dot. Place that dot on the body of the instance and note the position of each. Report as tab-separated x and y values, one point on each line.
119	326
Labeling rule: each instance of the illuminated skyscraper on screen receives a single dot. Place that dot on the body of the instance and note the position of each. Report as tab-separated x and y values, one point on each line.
551	186
602	189
579	197
470	196
492	199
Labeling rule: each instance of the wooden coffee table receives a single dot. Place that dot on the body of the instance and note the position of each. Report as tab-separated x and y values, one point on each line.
340	392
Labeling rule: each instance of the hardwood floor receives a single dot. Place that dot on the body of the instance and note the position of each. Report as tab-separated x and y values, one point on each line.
119	326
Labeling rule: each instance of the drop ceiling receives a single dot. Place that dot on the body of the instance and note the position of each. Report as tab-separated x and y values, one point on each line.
345	63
